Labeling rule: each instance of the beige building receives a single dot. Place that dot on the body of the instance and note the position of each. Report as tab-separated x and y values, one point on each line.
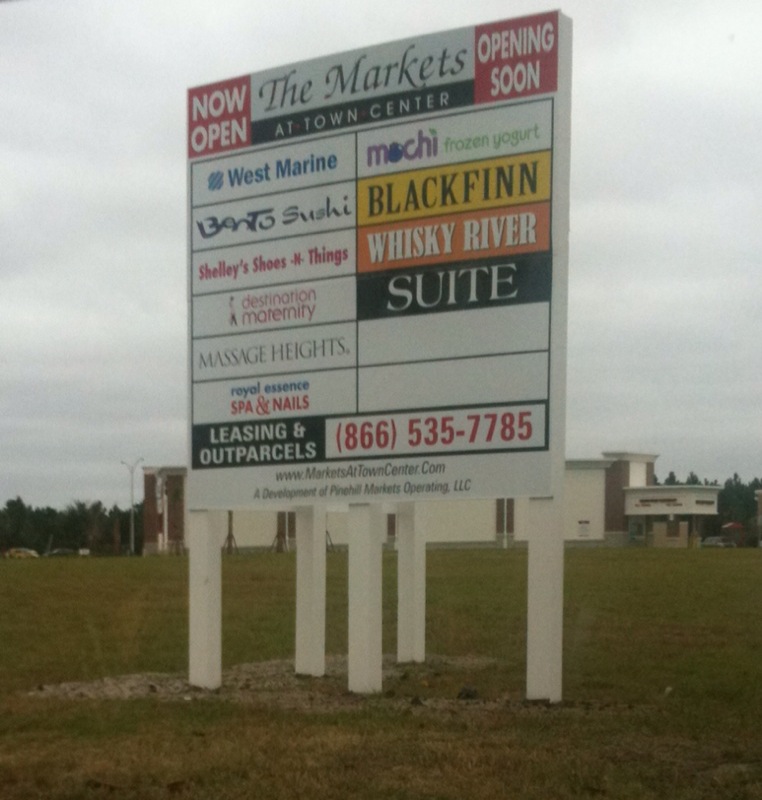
610	500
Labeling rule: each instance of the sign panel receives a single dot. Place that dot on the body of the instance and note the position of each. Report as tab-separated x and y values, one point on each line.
378	258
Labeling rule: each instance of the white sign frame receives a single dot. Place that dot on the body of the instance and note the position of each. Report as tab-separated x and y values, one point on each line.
463	149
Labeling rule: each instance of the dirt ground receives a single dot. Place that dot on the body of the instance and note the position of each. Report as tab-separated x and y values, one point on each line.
275	684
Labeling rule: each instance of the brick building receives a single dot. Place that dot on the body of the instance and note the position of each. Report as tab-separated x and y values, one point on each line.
163	510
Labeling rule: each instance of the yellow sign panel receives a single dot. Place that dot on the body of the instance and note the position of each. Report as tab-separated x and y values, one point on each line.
477	185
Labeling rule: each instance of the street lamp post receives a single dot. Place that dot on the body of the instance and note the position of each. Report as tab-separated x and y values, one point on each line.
131	468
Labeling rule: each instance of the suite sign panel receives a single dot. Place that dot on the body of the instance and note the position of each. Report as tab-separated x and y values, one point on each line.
378	258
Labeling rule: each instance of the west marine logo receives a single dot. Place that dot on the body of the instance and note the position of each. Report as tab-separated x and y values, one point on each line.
216	180
420	146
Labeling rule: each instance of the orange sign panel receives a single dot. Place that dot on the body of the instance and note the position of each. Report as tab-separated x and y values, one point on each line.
456	237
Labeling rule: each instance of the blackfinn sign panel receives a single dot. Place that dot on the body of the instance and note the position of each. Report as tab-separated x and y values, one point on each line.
378	259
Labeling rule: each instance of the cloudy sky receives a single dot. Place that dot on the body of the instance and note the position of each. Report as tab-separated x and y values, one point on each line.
665	321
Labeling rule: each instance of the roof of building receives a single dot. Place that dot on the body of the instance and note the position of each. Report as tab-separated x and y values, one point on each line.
588	463
648	458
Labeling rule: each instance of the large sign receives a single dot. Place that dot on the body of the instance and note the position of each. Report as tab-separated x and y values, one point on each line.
378	257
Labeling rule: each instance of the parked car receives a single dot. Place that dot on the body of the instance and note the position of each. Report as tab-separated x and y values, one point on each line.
22	552
61	552
717	541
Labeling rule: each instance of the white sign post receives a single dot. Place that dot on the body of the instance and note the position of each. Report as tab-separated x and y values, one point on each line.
310	590
378	273
411	584
205	579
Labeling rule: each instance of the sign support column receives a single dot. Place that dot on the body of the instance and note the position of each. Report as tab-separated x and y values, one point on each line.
207	532
310	591
365	619
545	606
411	584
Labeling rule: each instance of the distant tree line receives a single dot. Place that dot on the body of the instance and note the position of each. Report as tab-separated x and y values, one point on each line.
736	503
79	526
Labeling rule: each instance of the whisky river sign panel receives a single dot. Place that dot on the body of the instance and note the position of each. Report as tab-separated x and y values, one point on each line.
378	260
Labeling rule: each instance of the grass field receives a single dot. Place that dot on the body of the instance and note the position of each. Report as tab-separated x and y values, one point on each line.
662	684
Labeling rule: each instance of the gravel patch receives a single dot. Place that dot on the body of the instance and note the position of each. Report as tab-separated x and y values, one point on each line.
274	684
270	683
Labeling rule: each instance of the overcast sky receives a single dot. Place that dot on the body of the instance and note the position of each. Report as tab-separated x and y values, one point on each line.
665	319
